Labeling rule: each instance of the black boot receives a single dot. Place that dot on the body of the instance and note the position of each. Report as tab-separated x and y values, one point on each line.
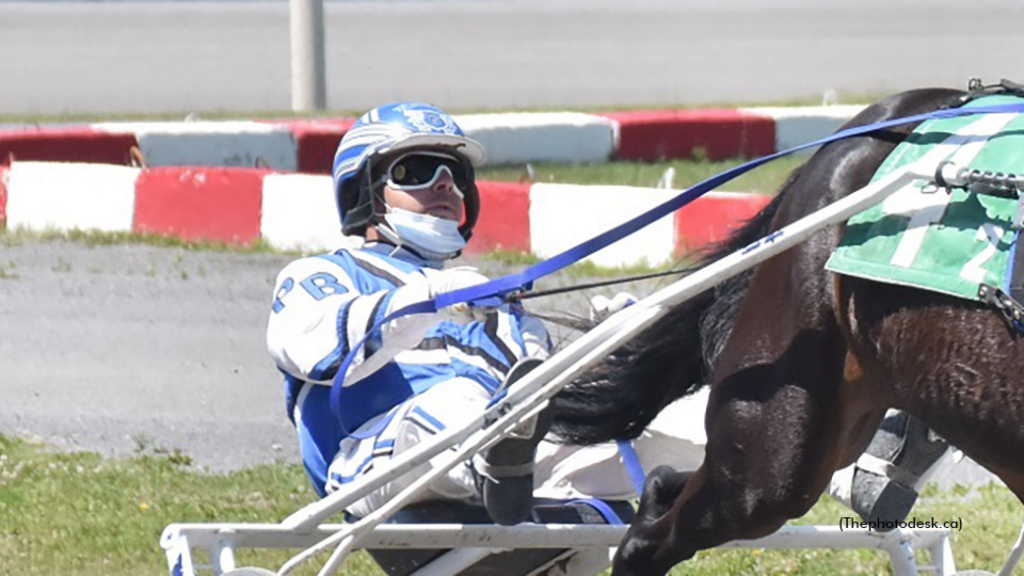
884	477
505	470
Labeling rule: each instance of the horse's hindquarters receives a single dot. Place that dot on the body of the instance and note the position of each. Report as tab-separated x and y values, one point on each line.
953	363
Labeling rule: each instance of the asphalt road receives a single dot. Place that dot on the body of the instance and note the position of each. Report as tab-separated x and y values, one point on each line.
195	56
126	350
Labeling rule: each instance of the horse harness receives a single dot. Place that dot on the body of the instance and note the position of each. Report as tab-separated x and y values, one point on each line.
1006	185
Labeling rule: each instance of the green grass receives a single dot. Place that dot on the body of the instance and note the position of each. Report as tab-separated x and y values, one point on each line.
510	257
19	236
764	179
81	514
580	269
991	520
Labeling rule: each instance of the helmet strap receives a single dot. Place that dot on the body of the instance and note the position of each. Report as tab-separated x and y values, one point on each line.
378	205
379	208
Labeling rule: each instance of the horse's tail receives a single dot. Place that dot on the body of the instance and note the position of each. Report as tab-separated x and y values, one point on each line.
619	397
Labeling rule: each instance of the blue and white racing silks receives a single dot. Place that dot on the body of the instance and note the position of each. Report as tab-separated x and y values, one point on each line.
325	304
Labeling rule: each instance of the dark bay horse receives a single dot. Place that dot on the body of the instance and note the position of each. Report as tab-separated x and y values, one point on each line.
802	365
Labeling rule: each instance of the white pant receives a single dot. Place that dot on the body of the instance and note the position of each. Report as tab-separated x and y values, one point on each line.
675	438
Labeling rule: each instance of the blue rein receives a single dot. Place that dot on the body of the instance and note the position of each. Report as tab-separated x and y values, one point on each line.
493	293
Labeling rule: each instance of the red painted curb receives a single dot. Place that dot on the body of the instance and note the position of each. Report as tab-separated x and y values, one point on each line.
712	218
224	204
67	145
653	135
213	204
4	171
316	141
504	218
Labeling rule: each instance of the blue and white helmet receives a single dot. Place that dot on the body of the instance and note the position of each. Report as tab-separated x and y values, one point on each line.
388	129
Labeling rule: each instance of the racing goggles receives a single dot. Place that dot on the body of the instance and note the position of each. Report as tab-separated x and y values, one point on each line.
420	170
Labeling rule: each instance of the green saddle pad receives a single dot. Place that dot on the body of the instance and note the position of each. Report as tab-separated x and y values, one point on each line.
948	241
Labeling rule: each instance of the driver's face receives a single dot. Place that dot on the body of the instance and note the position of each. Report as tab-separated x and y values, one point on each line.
440	199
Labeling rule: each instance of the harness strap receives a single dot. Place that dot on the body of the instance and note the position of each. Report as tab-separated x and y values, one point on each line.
1011	309
632	463
497	398
1015	279
600	284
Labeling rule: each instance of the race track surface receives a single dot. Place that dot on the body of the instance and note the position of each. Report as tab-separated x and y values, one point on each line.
130	349
471	55
127	348
123	348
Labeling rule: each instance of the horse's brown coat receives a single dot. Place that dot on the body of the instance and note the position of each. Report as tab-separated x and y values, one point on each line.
809	365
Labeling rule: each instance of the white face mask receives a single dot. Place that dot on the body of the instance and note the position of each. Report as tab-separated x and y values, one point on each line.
434	238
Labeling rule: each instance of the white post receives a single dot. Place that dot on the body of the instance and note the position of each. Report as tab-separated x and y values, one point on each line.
309	89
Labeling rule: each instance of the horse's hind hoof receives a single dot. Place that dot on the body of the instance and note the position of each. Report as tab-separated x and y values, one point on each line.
907	450
880	500
636	557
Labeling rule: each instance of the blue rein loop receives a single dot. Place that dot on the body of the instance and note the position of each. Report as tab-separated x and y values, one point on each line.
492	293
633	467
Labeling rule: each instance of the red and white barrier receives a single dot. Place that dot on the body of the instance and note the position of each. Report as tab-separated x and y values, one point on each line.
713	217
512	138
563	215
297	211
565	137
316	141
213	204
504	221
66	144
5	171
802	124
714	134
57	196
240	144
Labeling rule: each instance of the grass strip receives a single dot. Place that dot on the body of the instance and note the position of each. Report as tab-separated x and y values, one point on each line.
764	179
82	514
95	238
991	518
